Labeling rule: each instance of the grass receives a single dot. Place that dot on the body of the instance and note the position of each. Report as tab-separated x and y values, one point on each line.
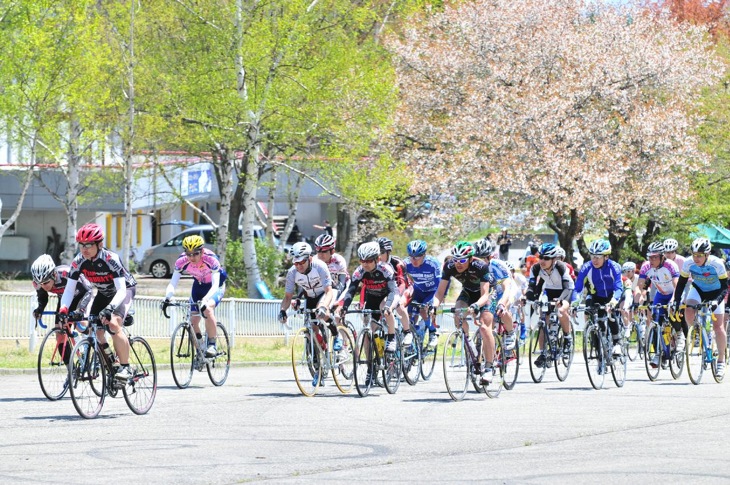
15	354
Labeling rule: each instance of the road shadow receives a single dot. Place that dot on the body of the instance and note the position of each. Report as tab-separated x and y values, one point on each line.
70	417
23	399
299	395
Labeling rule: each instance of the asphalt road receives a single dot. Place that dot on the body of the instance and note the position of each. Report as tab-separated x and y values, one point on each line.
258	427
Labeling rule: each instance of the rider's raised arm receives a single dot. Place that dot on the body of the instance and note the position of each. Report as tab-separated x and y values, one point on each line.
170	290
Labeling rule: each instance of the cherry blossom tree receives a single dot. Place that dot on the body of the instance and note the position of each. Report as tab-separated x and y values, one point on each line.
560	109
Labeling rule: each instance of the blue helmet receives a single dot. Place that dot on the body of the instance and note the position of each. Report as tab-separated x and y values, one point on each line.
548	250
417	248
600	247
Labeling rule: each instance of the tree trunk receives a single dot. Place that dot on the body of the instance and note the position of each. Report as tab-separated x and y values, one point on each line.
249	173
353	214
70	202
568	227
224	172
618	233
293	199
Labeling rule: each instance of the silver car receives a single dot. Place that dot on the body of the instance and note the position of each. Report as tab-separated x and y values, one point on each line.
160	260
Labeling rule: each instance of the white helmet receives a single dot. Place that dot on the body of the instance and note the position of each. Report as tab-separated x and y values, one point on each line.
42	268
628	266
300	251
370	250
560	252
670	245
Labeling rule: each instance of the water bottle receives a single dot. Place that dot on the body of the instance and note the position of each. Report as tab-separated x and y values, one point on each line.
380	344
320	339
667	334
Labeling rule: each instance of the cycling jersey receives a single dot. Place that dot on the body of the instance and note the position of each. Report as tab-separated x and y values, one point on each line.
471	279
556	282
82	293
710	280
400	273
425	278
203	270
662	278
338	271
313	283
100	272
377	284
604	282
499	274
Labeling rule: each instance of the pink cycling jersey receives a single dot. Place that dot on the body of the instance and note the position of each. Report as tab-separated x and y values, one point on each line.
202	270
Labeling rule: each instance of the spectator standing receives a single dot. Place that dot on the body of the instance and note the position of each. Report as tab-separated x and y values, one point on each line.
504	242
327	228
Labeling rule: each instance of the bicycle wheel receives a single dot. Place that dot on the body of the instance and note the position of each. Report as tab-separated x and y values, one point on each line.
494	388
428	358
618	369
455	362
182	353
511	366
695	354
342	362
219	365
475	378
632	343
393	366
87	379
593	355
676	362
141	388
653	352
564	357
412	361
306	361
52	361
536	334
715	355
363	365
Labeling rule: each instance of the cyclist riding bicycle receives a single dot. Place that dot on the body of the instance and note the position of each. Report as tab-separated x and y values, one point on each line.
209	285
473	274
424	272
115	287
631	297
503	286
661	274
561	257
709	284
324	245
49	278
380	290
603	276
386	247
670	252
552	277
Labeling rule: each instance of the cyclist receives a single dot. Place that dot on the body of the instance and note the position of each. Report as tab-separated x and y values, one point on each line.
552	276
473	274
424	273
503	287
520	287
709	284
632	296
670	252
209	284
603	276
561	257
49	278
115	287
662	274
386	247
380	290
324	245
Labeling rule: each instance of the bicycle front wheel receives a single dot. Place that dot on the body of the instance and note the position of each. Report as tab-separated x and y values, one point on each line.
676	362
618	369
695	354
564	354
511	366
494	387
343	362
412	360
537	371
653	352
87	379
632	343
715	356
593	355
428	358
219	365
306	361
393	366
363	366
455	362
182	353
141	388
52	364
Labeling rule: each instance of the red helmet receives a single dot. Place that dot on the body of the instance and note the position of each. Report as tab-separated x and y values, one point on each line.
90	233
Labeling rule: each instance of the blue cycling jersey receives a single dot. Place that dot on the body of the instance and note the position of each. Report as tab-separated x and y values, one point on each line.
604	281
498	274
705	278
426	277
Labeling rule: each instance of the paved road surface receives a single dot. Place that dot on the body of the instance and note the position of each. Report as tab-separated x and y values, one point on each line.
257	427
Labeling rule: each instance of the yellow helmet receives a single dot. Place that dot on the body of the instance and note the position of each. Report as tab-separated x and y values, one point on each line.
191	243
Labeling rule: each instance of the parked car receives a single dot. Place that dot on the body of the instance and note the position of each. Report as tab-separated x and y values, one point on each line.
159	260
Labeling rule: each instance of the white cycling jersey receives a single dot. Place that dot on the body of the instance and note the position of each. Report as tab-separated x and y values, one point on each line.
313	282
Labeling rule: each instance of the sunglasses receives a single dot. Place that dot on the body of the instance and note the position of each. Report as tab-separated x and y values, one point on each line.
367	261
698	255
48	280
462	260
596	256
324	251
545	258
194	253
87	245
300	263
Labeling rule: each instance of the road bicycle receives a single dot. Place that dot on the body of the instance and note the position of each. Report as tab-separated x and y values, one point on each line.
661	346
635	335
187	353
549	333
53	358
510	361
92	372
462	360
427	355
702	351
598	347
372	359
313	356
